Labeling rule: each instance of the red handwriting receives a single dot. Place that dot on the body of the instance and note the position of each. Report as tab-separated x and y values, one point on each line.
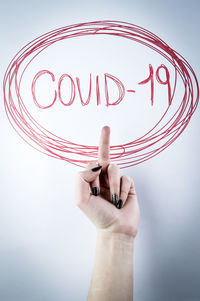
157	139
76	88
151	79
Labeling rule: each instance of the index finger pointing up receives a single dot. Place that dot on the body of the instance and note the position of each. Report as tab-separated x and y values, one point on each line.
104	148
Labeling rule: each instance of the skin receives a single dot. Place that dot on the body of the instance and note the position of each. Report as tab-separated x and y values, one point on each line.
112	278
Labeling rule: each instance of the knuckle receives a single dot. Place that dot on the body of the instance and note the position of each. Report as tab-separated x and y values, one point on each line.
113	166
123	195
104	162
78	176
91	164
133	183
126	178
132	191
104	154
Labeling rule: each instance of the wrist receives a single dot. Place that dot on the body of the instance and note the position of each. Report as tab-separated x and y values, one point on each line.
114	236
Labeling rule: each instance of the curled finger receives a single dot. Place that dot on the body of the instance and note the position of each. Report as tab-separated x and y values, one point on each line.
125	185
114	182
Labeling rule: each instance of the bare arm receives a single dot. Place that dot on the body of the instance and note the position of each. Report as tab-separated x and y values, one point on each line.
112	278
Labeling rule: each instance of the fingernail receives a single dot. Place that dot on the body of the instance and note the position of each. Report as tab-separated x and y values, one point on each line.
119	204
95	191
96	168
114	199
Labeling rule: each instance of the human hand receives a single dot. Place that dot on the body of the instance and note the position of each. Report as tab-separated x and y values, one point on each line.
100	192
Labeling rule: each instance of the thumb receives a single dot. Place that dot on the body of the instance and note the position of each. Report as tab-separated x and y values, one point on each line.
82	187
90	175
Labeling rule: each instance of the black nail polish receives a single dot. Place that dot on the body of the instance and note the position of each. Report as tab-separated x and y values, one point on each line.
96	168
114	199
95	191
119	204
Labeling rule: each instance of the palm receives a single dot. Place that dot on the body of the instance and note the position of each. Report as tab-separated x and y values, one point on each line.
108	217
103	211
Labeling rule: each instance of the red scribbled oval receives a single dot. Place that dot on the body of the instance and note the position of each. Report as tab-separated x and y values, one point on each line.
125	155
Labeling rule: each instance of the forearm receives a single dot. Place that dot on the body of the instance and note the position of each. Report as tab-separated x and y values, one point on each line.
112	278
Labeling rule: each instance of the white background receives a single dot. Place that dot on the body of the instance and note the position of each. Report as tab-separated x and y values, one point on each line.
47	245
